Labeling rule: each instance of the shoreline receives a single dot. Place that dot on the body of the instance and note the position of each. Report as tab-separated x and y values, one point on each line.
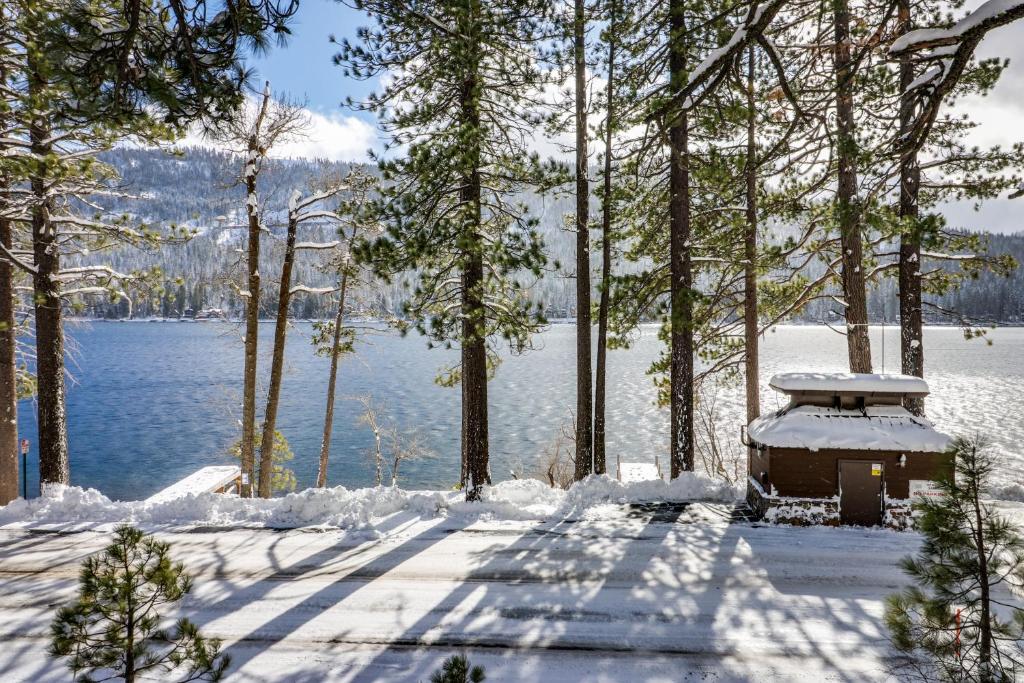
551	323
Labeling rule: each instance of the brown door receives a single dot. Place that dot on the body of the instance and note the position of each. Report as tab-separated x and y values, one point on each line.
860	492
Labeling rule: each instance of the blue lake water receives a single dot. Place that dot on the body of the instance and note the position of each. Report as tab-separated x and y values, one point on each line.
151	402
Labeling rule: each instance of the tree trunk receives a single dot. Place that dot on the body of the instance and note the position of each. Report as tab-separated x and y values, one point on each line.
475	452
750	326
129	650
8	359
474	376
8	374
681	288
252	328
277	362
985	627
325	443
911	324
848	204
584	414
606	259
54	466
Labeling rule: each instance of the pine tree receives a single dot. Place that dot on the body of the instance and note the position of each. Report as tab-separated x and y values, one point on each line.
280	478
457	669
610	128
721	69
462	99
115	628
910	291
849	212
180	61
921	95
8	328
680	187
51	151
949	622
87	75
655	69
584	440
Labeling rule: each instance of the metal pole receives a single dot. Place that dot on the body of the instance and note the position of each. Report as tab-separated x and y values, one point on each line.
24	468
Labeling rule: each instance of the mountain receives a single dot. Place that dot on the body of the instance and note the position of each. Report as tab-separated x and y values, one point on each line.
197	188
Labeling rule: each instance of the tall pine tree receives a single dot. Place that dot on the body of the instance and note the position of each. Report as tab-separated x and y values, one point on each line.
459	108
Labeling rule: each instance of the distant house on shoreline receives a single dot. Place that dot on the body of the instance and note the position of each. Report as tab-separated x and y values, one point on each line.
211	314
843	451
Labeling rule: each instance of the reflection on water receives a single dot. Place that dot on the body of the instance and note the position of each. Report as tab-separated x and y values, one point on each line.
153	402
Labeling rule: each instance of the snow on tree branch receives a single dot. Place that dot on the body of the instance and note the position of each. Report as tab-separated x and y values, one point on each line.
992	14
949	257
946	52
706	76
70	274
10	256
312	290
317	245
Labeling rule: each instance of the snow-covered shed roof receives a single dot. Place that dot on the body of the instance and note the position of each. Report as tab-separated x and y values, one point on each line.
875	428
848	383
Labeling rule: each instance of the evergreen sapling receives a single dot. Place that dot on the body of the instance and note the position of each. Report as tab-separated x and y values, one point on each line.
958	622
457	669
114	629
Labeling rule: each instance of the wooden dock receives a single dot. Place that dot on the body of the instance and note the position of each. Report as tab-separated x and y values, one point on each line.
212	479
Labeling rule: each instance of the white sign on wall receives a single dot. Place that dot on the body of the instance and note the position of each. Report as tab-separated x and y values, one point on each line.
924	488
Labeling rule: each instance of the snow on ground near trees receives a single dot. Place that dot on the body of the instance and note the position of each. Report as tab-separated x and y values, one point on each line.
72	507
599	583
627	593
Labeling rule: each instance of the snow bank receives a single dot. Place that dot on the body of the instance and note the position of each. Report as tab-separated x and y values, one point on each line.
75	507
72	507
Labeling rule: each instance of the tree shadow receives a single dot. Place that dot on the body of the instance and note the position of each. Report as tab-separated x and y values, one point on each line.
345	567
684	587
662	582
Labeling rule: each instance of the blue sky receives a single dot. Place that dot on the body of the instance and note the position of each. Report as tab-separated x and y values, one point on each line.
304	69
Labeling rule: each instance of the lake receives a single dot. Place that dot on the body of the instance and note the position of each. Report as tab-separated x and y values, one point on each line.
151	402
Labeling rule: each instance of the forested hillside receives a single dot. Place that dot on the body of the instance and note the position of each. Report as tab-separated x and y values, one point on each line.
196	188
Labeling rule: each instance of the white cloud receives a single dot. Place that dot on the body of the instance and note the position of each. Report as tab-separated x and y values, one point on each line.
335	136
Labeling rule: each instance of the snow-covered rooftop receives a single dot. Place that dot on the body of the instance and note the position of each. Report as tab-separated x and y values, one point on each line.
848	383
876	428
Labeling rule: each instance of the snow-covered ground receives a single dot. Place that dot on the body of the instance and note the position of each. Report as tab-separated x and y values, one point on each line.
534	584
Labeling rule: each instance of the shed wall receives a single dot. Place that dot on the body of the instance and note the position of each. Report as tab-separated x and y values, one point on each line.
759	467
803	473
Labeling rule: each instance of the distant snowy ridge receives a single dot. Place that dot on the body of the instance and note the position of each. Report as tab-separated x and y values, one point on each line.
72	507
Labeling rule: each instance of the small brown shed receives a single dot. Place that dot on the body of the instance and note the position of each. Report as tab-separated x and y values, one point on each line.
843	451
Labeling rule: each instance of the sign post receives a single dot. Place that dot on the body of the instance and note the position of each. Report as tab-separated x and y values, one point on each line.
24	468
